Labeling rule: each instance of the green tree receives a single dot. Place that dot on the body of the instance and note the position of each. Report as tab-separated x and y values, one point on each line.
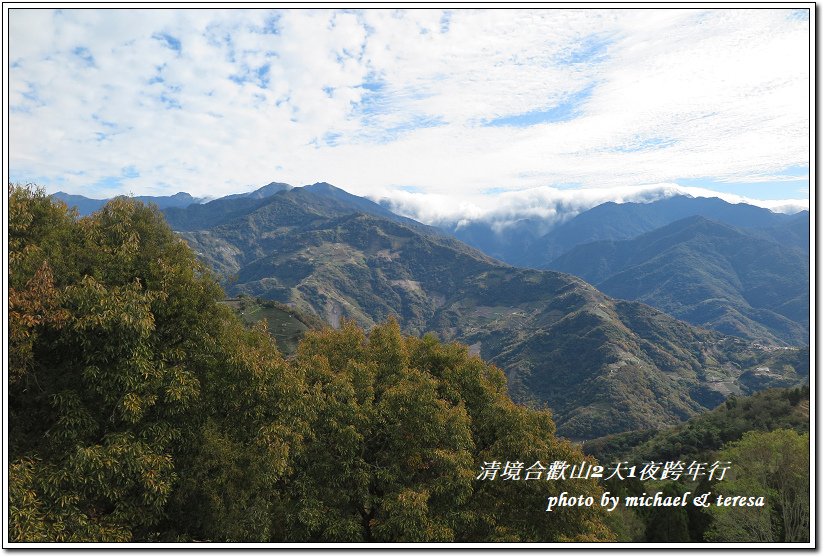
772	464
400	428
250	420
132	385
668	524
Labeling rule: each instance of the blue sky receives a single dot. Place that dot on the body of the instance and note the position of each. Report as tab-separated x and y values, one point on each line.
444	112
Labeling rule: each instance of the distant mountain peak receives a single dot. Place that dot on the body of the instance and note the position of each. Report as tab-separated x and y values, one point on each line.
694	220
322	186
268	190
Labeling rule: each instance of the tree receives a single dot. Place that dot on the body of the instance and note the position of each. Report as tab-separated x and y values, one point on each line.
135	394
400	428
668	524
772	464
89	457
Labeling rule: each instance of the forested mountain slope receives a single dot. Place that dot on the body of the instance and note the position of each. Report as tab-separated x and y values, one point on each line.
708	274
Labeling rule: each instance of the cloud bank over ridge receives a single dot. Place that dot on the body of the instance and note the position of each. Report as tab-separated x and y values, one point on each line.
550	205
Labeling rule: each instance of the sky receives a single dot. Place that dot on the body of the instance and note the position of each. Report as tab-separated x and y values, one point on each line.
443	114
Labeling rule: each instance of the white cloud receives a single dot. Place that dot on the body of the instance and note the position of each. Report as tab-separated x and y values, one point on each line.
550	205
377	99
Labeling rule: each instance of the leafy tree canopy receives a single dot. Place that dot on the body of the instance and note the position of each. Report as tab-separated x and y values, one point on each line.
142	409
124	370
774	465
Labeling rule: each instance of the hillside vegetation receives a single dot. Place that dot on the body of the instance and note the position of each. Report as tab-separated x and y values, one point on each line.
702	435
763	439
286	325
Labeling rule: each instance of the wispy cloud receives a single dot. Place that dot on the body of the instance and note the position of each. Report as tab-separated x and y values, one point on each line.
449	102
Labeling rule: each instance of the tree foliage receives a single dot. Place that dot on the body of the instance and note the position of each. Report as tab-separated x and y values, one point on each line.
142	409
401	427
125	368
775	465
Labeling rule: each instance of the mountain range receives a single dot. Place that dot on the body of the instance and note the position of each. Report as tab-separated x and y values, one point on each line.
698	275
602	365
622	221
706	273
86	205
744	271
533	242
